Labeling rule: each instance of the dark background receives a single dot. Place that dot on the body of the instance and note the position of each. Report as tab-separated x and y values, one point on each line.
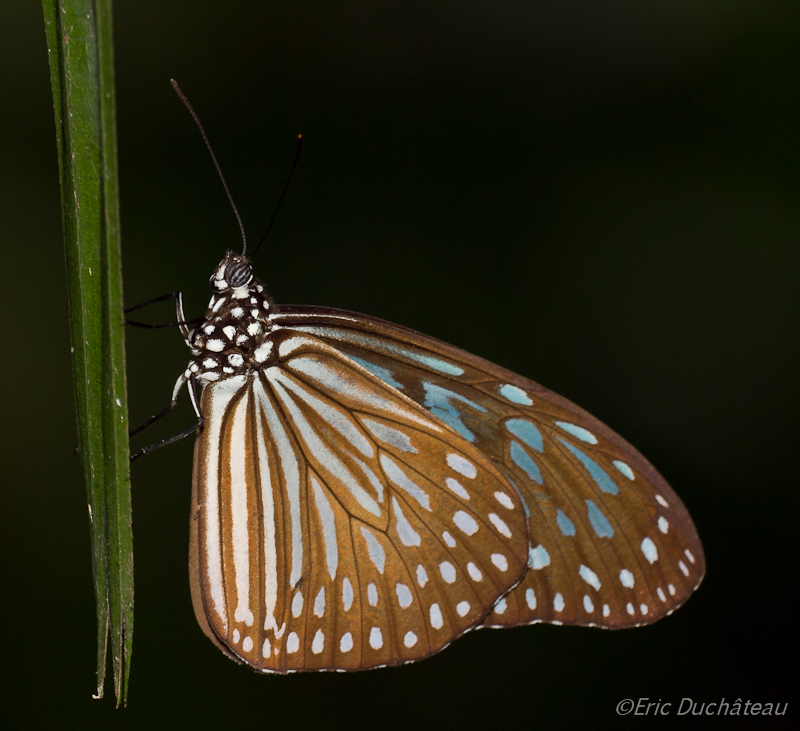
602	196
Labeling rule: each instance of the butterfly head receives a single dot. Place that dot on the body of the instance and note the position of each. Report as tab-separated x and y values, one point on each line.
233	274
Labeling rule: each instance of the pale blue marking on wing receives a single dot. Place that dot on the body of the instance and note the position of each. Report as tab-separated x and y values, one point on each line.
402	480
375	550
599	521
599	475
439	401
527	432
389	435
515	395
443	366
379	371
578	431
565	525
624	468
538	557
524	461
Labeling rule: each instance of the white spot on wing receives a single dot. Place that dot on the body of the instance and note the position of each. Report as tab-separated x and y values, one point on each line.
437	621
347	594
462	465
499	560
318	644
498	523
456	487
447	571
372	594
590	577
649	550
375	638
465	522
404	596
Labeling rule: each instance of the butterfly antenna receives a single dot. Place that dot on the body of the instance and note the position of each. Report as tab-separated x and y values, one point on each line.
183	98
283	194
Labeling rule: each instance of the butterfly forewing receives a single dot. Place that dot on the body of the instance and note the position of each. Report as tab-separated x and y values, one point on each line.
337	523
610	543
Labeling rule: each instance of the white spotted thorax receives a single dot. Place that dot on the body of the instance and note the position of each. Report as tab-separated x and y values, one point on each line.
233	339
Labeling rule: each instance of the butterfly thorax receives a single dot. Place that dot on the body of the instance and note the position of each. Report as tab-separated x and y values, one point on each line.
231	340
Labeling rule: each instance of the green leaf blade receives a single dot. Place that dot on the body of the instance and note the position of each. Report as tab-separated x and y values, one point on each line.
80	49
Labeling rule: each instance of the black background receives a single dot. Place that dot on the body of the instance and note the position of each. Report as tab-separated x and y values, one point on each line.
602	196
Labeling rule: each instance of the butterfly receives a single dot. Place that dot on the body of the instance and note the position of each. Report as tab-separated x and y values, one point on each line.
363	494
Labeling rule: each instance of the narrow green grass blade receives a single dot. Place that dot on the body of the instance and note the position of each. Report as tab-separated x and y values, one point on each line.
80	49
115	416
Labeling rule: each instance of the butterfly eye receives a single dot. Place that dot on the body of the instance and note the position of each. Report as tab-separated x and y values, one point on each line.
239	274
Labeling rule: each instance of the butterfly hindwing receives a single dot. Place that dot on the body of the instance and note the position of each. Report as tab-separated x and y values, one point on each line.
610	543
337	524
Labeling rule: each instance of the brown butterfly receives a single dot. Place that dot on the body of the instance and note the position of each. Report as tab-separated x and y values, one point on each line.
364	494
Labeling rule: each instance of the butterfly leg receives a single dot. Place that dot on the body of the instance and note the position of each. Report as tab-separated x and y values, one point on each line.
182	322
192	388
